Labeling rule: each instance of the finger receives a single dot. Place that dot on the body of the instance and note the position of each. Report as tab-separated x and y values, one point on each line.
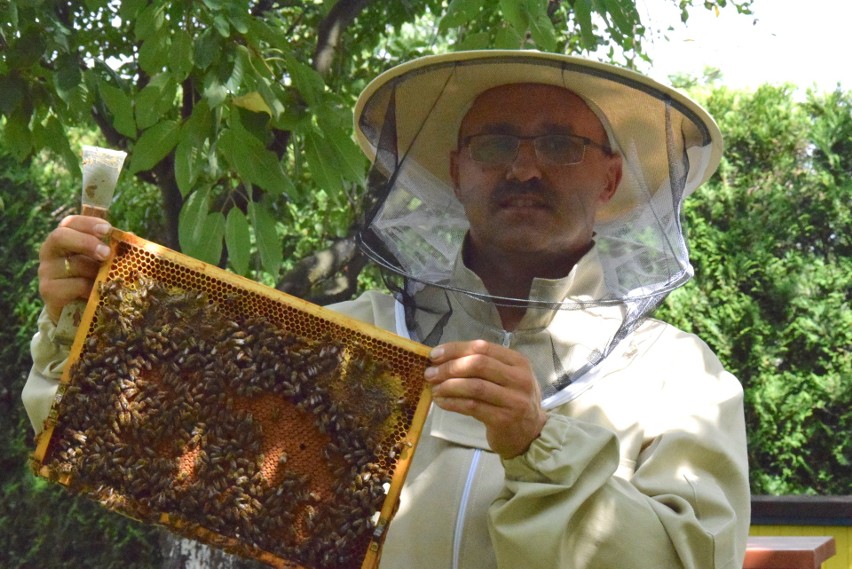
478	366
76	266
455	350
473	389
77	235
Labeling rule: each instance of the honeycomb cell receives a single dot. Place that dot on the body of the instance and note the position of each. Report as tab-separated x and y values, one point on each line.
234	414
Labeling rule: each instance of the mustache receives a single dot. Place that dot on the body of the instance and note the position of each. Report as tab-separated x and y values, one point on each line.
512	188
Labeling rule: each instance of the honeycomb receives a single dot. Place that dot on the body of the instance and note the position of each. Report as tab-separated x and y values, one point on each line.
234	414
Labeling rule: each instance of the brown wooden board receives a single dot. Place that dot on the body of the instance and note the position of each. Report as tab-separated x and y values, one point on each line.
233	413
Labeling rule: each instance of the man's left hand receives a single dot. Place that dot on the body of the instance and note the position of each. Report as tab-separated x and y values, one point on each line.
493	384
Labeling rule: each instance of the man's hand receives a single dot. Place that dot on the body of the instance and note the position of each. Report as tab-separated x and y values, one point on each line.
69	260
493	384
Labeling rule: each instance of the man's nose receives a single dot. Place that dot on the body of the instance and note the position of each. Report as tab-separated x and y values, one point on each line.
526	165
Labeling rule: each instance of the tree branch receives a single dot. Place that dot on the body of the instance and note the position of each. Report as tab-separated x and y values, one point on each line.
318	270
330	30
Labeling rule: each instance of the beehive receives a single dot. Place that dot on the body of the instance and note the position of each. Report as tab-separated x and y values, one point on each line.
234	414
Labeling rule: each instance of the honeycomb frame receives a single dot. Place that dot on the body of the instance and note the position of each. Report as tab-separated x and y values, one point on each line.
322	479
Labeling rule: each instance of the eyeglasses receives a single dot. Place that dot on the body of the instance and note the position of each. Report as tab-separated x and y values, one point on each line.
560	149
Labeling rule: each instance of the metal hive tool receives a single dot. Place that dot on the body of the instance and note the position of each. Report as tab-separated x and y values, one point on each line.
234	414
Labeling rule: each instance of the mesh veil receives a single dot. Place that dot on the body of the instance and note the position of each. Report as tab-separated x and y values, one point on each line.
408	122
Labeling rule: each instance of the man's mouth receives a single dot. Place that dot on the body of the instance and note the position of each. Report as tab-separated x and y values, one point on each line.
522	201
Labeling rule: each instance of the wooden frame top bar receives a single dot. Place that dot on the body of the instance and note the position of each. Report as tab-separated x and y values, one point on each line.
785	552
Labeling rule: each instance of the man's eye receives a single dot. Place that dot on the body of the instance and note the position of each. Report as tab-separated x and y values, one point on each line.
555	144
501	143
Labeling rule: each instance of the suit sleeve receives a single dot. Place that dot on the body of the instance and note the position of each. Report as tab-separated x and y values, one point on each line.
685	505
49	359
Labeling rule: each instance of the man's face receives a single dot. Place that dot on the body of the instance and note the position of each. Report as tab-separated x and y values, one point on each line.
532	206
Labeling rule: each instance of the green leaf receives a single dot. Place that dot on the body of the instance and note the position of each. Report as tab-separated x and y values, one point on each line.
154	145
27	50
220	23
68	73
12	91
155	100
121	108
199	231
155	53
305	79
478	40
181	60
460	13
57	141
205	49
128	9
540	26
507	38
238	241
582	10
150	21
623	14
214	92
17	135
199	126
253	162
514	13
187	164
266	236
323	162
272	96
238	19
235	78
350	160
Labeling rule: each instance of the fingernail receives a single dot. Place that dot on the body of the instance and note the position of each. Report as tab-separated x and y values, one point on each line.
102	252
102	229
436	352
430	372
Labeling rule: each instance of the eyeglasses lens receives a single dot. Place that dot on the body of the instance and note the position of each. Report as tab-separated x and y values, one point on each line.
503	148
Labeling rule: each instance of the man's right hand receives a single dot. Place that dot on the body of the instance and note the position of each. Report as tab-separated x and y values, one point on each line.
69	260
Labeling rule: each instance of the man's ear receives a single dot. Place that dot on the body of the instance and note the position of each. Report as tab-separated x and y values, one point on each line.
613	178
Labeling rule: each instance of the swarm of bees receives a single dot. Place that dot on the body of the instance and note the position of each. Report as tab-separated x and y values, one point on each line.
226	425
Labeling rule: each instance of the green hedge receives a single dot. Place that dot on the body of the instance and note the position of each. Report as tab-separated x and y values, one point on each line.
770	242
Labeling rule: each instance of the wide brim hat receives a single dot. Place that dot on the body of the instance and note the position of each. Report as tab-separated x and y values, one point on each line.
645	120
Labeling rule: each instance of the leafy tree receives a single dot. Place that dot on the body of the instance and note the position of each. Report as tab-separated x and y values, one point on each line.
771	248
239	111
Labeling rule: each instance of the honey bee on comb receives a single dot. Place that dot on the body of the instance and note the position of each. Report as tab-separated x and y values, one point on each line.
230	419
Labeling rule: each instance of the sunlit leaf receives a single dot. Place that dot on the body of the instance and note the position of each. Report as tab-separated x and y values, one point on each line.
253	102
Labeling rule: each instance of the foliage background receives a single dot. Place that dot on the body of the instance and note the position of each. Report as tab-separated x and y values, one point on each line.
769	234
